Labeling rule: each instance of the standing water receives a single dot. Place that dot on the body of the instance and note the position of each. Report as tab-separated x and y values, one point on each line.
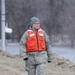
66	52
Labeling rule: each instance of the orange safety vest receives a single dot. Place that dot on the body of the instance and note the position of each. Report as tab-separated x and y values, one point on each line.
36	41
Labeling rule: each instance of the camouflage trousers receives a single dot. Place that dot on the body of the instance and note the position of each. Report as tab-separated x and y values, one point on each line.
38	69
36	63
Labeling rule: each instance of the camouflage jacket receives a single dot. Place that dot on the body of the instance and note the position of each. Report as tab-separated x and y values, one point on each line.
39	56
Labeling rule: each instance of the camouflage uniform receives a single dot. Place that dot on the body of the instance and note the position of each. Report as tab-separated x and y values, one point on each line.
36	60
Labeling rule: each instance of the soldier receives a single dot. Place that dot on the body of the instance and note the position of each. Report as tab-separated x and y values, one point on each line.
35	48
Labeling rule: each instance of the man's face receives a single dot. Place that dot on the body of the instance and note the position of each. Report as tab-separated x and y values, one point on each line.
36	25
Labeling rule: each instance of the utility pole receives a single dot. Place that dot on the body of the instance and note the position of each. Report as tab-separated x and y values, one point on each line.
3	23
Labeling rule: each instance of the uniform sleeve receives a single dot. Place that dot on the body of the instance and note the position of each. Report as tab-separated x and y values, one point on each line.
48	46
22	47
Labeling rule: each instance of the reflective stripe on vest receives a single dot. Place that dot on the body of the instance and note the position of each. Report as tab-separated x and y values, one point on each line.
35	43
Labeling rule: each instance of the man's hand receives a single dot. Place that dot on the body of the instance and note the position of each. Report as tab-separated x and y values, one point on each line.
25	59
49	61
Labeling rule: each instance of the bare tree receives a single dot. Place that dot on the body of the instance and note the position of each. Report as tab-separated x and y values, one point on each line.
19	16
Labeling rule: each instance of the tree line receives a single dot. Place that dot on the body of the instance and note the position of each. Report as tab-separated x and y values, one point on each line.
56	16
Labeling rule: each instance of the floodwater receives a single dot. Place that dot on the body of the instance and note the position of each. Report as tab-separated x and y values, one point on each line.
66	52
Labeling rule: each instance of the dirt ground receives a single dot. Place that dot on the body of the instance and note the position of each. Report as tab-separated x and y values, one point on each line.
14	65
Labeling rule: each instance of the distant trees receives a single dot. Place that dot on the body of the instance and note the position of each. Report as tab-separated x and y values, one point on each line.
57	17
56	7
18	14
68	20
